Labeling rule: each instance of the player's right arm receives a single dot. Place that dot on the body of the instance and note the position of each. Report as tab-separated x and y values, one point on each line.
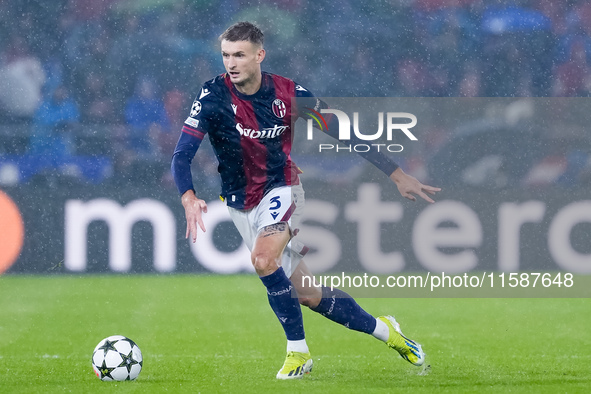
193	132
184	153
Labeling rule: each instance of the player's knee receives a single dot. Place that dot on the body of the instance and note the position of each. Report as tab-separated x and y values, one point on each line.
308	296
264	264
310	302
304	301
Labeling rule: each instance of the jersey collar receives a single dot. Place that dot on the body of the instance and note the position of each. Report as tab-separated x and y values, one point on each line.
261	93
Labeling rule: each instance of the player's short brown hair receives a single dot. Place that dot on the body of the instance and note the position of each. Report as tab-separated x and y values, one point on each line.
243	31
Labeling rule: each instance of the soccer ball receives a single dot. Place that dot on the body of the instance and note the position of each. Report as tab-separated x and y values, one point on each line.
117	358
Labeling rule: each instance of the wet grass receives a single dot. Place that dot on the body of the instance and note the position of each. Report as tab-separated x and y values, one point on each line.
201	333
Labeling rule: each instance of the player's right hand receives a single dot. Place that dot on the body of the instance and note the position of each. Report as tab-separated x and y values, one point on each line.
194	207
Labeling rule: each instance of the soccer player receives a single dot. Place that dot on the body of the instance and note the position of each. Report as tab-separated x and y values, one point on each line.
249	117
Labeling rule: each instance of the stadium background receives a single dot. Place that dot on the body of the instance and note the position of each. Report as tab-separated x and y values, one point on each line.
93	96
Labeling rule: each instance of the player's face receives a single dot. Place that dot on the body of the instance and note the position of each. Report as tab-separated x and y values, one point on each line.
242	60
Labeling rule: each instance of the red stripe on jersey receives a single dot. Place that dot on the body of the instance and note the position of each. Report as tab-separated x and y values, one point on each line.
285	91
289	212
193	132
254	152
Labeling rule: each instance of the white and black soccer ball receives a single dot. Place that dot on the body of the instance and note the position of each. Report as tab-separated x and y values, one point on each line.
117	358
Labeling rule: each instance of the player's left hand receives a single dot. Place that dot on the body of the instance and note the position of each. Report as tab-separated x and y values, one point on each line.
408	186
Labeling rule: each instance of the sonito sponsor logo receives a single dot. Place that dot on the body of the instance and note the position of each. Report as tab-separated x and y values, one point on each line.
269	132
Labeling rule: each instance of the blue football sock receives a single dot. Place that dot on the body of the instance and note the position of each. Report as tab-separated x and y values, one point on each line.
341	308
286	307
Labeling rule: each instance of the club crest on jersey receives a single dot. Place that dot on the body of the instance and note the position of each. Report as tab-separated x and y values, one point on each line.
279	108
196	108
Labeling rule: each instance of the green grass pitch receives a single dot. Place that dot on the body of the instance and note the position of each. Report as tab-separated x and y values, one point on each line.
202	333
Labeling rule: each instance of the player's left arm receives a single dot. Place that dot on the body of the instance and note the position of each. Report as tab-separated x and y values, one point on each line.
407	185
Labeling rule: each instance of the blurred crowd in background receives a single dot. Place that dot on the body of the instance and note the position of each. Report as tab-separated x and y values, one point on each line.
99	89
